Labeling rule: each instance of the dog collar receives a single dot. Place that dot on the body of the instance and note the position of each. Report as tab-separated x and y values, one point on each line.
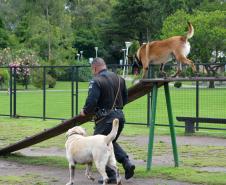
70	135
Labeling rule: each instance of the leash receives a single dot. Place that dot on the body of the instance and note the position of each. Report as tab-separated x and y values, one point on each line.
113	102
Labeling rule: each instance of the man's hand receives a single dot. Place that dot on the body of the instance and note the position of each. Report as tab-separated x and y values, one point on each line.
82	112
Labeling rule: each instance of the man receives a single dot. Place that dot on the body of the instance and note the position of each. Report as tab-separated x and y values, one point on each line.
106	97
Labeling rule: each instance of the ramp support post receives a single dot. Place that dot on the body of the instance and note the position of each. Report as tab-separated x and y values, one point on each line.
151	123
171	124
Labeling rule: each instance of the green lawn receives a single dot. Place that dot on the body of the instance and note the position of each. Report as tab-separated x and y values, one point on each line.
192	157
58	103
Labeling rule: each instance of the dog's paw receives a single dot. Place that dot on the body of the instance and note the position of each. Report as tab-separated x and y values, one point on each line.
70	183
91	178
119	181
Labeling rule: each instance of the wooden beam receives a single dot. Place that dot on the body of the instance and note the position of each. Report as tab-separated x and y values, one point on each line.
134	92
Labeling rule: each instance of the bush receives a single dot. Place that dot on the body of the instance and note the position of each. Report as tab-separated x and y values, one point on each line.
37	79
4	78
177	84
51	81
84	75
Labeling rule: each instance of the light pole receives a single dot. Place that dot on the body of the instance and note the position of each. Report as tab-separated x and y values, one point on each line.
78	55
81	52
96	49
124	61
128	44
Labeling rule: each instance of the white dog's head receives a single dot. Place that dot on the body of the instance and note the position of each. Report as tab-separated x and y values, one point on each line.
76	130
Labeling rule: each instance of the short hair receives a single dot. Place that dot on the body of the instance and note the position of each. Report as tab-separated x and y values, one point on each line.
98	62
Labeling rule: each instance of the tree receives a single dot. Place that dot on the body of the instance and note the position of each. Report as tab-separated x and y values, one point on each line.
4	36
44	26
139	20
88	22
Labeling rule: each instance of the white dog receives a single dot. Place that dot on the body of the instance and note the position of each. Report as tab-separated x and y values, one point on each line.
84	150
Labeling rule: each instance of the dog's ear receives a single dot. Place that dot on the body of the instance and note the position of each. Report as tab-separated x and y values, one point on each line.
83	131
68	133
80	130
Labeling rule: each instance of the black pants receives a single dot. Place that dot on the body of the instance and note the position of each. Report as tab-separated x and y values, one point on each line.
104	127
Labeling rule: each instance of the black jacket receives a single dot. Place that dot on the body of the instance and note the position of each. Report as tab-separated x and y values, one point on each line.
102	92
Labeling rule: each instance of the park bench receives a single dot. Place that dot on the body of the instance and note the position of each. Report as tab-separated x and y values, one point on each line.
190	123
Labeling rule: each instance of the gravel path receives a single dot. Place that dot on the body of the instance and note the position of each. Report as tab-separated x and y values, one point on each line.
59	176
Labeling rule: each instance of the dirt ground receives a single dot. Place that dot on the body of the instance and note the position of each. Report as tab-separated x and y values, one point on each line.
59	176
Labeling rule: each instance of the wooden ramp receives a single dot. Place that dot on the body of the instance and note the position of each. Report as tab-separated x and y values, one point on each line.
134	92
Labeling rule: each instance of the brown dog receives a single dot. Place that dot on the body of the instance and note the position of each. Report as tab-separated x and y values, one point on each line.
160	52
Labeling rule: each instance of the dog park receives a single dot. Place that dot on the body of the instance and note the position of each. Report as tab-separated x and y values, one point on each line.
183	156
169	54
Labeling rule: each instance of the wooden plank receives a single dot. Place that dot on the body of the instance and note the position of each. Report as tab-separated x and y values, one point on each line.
134	92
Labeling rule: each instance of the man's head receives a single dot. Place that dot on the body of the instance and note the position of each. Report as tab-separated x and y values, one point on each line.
98	65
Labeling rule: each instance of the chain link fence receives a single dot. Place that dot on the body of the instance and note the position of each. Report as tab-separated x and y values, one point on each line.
59	92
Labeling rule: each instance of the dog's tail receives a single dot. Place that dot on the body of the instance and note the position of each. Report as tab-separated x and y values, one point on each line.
190	32
111	136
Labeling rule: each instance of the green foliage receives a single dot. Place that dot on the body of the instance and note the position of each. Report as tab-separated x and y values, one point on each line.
4	77
20	60
37	79
4	36
177	84
58	29
134	47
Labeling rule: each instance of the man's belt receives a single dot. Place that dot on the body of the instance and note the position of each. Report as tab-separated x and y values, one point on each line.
104	112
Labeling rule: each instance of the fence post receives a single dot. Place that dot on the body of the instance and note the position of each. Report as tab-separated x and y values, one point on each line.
14	92
72	90
197	100
44	93
10	92
76	89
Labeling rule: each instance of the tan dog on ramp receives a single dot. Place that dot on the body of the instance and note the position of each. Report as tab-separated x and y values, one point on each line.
160	52
84	149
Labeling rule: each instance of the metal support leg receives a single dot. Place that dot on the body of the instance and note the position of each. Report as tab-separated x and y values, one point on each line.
152	125
172	130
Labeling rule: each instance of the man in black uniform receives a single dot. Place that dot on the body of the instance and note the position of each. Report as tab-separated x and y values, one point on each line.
106	97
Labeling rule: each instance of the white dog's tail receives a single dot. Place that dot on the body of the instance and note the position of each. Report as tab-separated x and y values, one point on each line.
111	136
190	32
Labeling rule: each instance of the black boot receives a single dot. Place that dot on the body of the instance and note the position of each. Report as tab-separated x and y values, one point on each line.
129	168
111	180
111	176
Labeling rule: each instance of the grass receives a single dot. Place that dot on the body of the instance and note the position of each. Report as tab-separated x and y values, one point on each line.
58	103
183	174
191	157
23	179
212	104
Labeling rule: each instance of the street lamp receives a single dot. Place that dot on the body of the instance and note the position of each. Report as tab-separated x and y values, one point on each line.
124	61
78	55
125	70
81	52
96	49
